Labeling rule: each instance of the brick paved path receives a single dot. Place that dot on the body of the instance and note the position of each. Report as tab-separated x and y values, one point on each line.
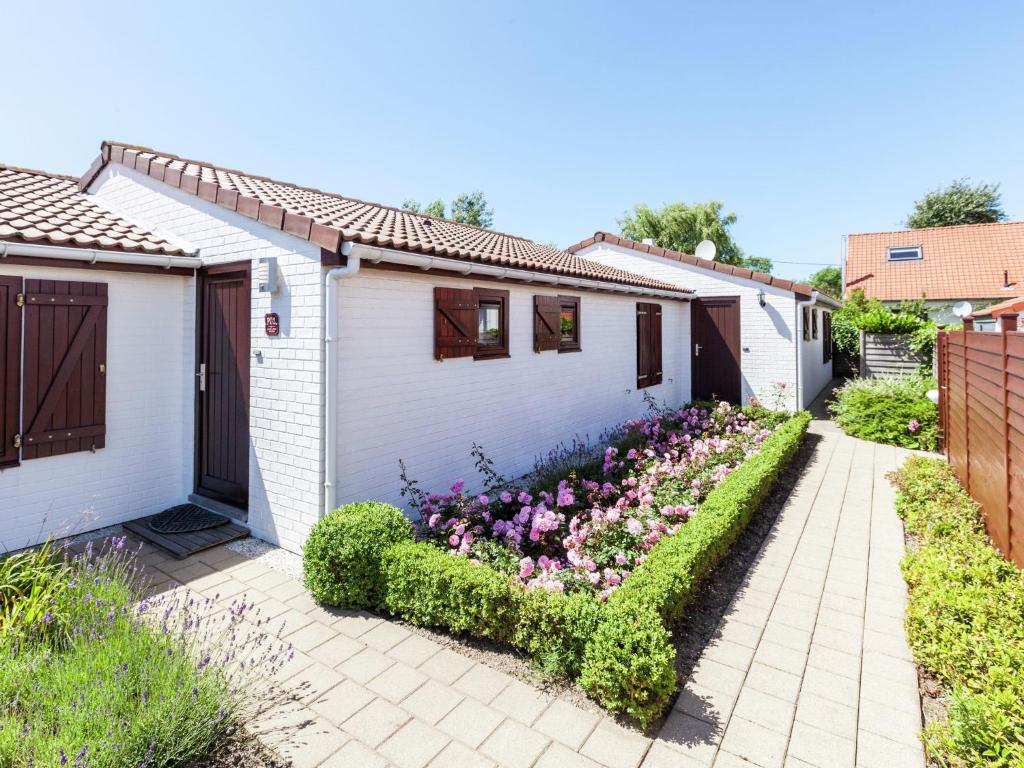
809	667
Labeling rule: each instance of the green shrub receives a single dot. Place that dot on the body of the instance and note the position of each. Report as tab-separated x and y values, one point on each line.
430	587
341	559
665	583
887	410
965	619
554	629
630	663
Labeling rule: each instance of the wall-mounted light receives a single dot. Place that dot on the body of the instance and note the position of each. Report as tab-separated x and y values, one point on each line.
760	298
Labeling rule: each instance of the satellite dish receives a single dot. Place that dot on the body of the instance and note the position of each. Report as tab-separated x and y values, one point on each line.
962	309
705	250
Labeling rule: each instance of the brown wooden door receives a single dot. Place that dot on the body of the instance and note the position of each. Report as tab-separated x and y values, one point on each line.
716	348
222	385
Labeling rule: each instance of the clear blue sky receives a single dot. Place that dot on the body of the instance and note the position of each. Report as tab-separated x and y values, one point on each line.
809	120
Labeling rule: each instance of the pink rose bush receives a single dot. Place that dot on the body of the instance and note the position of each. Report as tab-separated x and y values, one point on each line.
589	533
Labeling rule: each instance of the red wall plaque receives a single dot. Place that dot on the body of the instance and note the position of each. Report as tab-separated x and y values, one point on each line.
272	324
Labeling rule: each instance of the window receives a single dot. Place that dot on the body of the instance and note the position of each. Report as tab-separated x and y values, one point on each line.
568	324
648	345
814	323
492	323
826	329
807	323
905	254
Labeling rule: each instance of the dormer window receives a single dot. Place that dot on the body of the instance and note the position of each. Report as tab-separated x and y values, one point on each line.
910	253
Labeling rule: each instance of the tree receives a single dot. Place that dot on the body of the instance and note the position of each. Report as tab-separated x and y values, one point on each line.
959	203
828	280
467	208
680	227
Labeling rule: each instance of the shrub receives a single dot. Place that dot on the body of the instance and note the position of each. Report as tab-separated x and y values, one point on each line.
965	619
894	410
341	559
555	628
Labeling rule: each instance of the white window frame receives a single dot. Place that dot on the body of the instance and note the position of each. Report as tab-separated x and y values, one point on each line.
918	248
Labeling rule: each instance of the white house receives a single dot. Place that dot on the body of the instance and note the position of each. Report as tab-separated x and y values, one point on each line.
176	330
753	334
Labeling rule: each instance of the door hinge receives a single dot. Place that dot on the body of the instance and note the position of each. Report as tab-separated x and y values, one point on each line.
17	441
20	299
103	369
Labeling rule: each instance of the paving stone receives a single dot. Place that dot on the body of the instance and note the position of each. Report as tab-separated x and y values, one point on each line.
841	621
365	665
287	590
787	636
457	755
521	702
355	755
765	710
882	665
731	654
431	701
396	682
514	745
268	580
899	693
414	650
740	633
783	685
820	748
560	756
356	623
793	617
665	755
781	657
470	722
483	683
705	704
830	686
312	681
288	622
310	636
376	722
310	747
838	639
446	666
894	724
612	745
874	751
341	702
336	650
566	723
302	602
414	745
839	719
384	636
845	664
717	677
755	743
890	645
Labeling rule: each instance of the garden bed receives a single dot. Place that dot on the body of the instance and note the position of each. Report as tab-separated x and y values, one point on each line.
585	577
965	622
94	674
893	410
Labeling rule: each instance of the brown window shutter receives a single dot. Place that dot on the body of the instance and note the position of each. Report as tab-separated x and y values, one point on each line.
826	339
65	361
546	323
648	345
10	369
455	322
655	359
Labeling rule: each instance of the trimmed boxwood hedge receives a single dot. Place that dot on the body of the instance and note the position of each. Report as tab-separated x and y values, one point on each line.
621	650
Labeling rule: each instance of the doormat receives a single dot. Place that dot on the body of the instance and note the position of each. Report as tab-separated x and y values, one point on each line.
182	545
185	518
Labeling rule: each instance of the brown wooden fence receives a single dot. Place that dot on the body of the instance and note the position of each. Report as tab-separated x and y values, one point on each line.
981	419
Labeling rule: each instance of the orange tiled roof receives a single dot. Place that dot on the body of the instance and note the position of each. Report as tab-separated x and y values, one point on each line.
1008	307
961	262
47	209
327	220
714	266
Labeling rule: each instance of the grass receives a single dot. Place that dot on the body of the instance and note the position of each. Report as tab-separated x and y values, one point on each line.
965	620
104	678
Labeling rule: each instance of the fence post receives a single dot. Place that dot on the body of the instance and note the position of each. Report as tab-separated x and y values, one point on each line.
967	420
1006	445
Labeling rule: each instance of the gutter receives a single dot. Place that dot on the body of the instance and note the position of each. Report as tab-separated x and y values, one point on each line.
94	256
334	275
800	346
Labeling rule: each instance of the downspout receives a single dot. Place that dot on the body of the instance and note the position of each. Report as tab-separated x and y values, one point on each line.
800	346
330	380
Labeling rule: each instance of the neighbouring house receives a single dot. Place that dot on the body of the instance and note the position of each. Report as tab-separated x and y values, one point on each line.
1004	316
175	330
982	264
753	334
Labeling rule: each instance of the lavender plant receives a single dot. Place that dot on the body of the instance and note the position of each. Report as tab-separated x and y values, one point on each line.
130	681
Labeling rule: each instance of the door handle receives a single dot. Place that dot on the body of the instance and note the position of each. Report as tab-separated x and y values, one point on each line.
202	377
696	350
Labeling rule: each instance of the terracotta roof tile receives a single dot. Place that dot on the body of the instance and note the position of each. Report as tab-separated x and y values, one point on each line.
961	262
714	266
1008	307
327	219
48	209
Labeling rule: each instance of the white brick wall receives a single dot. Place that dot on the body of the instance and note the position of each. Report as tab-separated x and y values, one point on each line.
285	478
766	333
396	401
146	464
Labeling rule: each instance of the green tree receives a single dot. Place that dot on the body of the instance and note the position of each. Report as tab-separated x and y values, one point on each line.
828	280
959	203
467	208
680	227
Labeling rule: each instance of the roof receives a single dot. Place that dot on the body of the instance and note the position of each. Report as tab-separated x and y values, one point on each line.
47	209
967	261
1008	307
327	219
800	289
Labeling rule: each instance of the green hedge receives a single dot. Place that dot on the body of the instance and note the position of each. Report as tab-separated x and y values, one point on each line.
965	619
621	650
